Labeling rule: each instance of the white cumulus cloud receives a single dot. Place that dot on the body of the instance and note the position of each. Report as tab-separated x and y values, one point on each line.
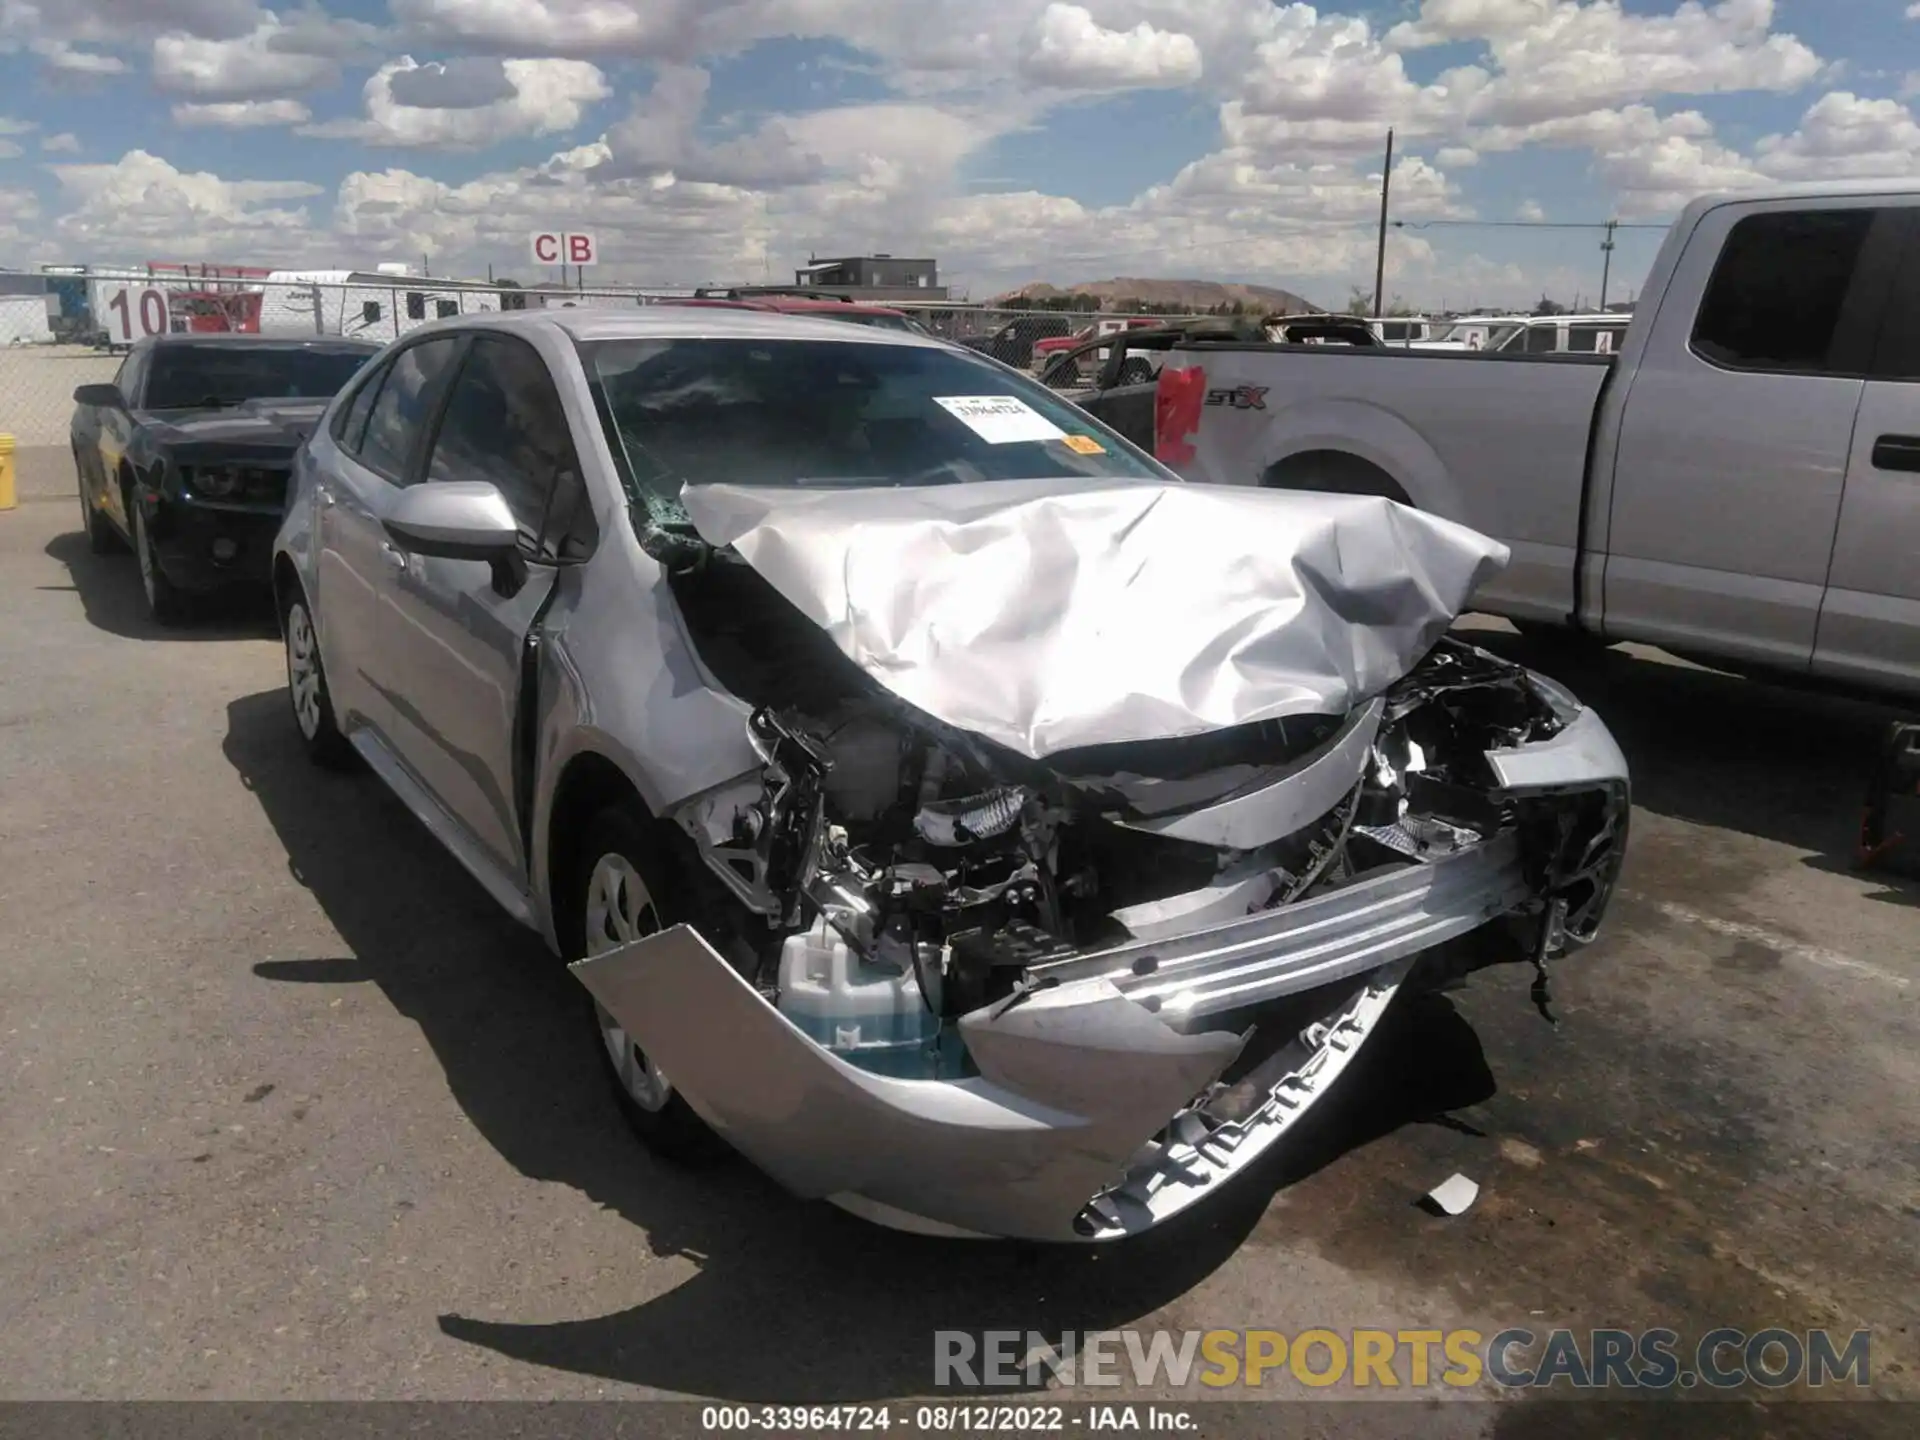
241	114
1073	51
253	66
543	97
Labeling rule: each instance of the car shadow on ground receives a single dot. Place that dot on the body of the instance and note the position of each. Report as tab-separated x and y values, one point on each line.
109	590
1732	753
793	1301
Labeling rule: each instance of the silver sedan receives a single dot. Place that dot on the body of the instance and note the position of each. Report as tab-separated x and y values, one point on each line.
940	802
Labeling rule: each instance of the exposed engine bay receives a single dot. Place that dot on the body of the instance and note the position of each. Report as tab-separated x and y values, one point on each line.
894	874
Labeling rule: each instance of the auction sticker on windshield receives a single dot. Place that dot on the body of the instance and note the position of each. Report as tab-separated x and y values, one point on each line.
1000	419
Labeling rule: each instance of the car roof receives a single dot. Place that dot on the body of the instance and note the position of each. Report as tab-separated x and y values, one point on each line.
680	322
220	339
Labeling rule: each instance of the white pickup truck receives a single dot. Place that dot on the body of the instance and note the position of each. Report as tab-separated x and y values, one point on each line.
1741	482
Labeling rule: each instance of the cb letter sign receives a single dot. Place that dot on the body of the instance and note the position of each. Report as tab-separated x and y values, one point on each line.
556	247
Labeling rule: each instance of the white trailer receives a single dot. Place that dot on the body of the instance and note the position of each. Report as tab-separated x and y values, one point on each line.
24	320
365	305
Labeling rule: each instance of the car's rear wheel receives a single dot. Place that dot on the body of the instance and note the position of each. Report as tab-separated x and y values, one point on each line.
618	896
307	689
165	602
102	538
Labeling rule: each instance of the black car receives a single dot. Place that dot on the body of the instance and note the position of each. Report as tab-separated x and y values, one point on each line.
185	455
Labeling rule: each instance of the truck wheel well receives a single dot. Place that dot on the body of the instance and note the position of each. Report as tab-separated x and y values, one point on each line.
590	783
1335	472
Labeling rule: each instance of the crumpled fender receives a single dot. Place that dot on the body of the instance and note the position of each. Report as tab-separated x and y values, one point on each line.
1072	1084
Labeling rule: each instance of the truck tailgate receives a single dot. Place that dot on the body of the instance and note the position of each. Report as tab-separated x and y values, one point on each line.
1495	442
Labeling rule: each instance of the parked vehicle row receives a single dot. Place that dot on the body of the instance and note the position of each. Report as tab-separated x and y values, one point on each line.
1740	483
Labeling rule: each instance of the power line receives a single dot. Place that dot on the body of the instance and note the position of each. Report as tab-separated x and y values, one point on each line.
1527	225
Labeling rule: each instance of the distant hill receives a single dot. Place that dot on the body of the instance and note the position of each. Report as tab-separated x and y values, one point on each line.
1192	296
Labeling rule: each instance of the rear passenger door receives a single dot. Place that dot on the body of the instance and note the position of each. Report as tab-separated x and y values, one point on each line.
452	644
1870	621
1735	437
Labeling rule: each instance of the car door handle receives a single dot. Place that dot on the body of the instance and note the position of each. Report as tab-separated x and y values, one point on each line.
1897	452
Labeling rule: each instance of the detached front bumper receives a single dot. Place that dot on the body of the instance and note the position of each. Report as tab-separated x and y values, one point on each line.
1087	1120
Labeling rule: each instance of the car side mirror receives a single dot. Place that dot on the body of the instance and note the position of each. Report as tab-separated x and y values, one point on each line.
104	396
461	520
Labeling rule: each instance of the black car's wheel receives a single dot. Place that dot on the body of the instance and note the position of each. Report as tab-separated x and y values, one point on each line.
165	601
102	538
619	893
307	689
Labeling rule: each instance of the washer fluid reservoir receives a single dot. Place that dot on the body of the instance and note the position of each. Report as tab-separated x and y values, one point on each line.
870	1015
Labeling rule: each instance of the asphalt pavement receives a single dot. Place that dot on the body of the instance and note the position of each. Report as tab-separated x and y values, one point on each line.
289	1109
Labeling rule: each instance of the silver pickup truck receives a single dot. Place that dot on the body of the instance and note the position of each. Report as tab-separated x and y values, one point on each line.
1740	483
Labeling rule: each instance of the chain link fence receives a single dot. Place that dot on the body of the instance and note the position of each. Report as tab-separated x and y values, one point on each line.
81	329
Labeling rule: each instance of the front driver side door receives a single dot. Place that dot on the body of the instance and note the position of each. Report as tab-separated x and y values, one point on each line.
453	645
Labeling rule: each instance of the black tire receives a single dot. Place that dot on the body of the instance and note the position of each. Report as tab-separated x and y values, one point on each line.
1561	637
102	538
307	694
1135	372
658	1114
166	602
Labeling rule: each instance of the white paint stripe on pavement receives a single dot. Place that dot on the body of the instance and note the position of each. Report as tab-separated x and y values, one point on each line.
1773	940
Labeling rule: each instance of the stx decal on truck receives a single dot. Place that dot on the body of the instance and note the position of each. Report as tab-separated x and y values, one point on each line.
1240	397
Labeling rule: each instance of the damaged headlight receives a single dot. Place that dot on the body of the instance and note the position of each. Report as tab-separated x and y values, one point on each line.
1563	702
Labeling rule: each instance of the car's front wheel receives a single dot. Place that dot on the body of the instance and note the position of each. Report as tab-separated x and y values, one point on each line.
618	896
307	689
165	601
102	538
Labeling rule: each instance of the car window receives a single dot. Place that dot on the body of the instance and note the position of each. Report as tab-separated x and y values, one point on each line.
1899	353
504	423
404	405
1589	339
350	427
132	376
206	377
1777	290
820	413
1540	339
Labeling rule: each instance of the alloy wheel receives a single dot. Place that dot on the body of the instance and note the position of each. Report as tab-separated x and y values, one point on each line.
620	909
303	670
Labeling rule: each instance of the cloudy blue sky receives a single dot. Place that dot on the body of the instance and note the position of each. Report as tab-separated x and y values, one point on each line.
712	140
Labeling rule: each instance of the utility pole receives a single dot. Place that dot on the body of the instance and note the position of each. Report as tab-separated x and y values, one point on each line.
1380	254
1606	265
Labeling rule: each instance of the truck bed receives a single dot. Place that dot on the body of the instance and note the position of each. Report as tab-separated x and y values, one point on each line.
1519	426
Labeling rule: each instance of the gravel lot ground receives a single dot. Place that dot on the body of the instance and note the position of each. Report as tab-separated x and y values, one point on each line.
291	1111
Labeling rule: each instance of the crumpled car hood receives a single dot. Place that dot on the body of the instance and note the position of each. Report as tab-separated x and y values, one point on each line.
1048	615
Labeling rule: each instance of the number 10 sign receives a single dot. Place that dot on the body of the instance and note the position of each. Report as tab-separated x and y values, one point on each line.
129	311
